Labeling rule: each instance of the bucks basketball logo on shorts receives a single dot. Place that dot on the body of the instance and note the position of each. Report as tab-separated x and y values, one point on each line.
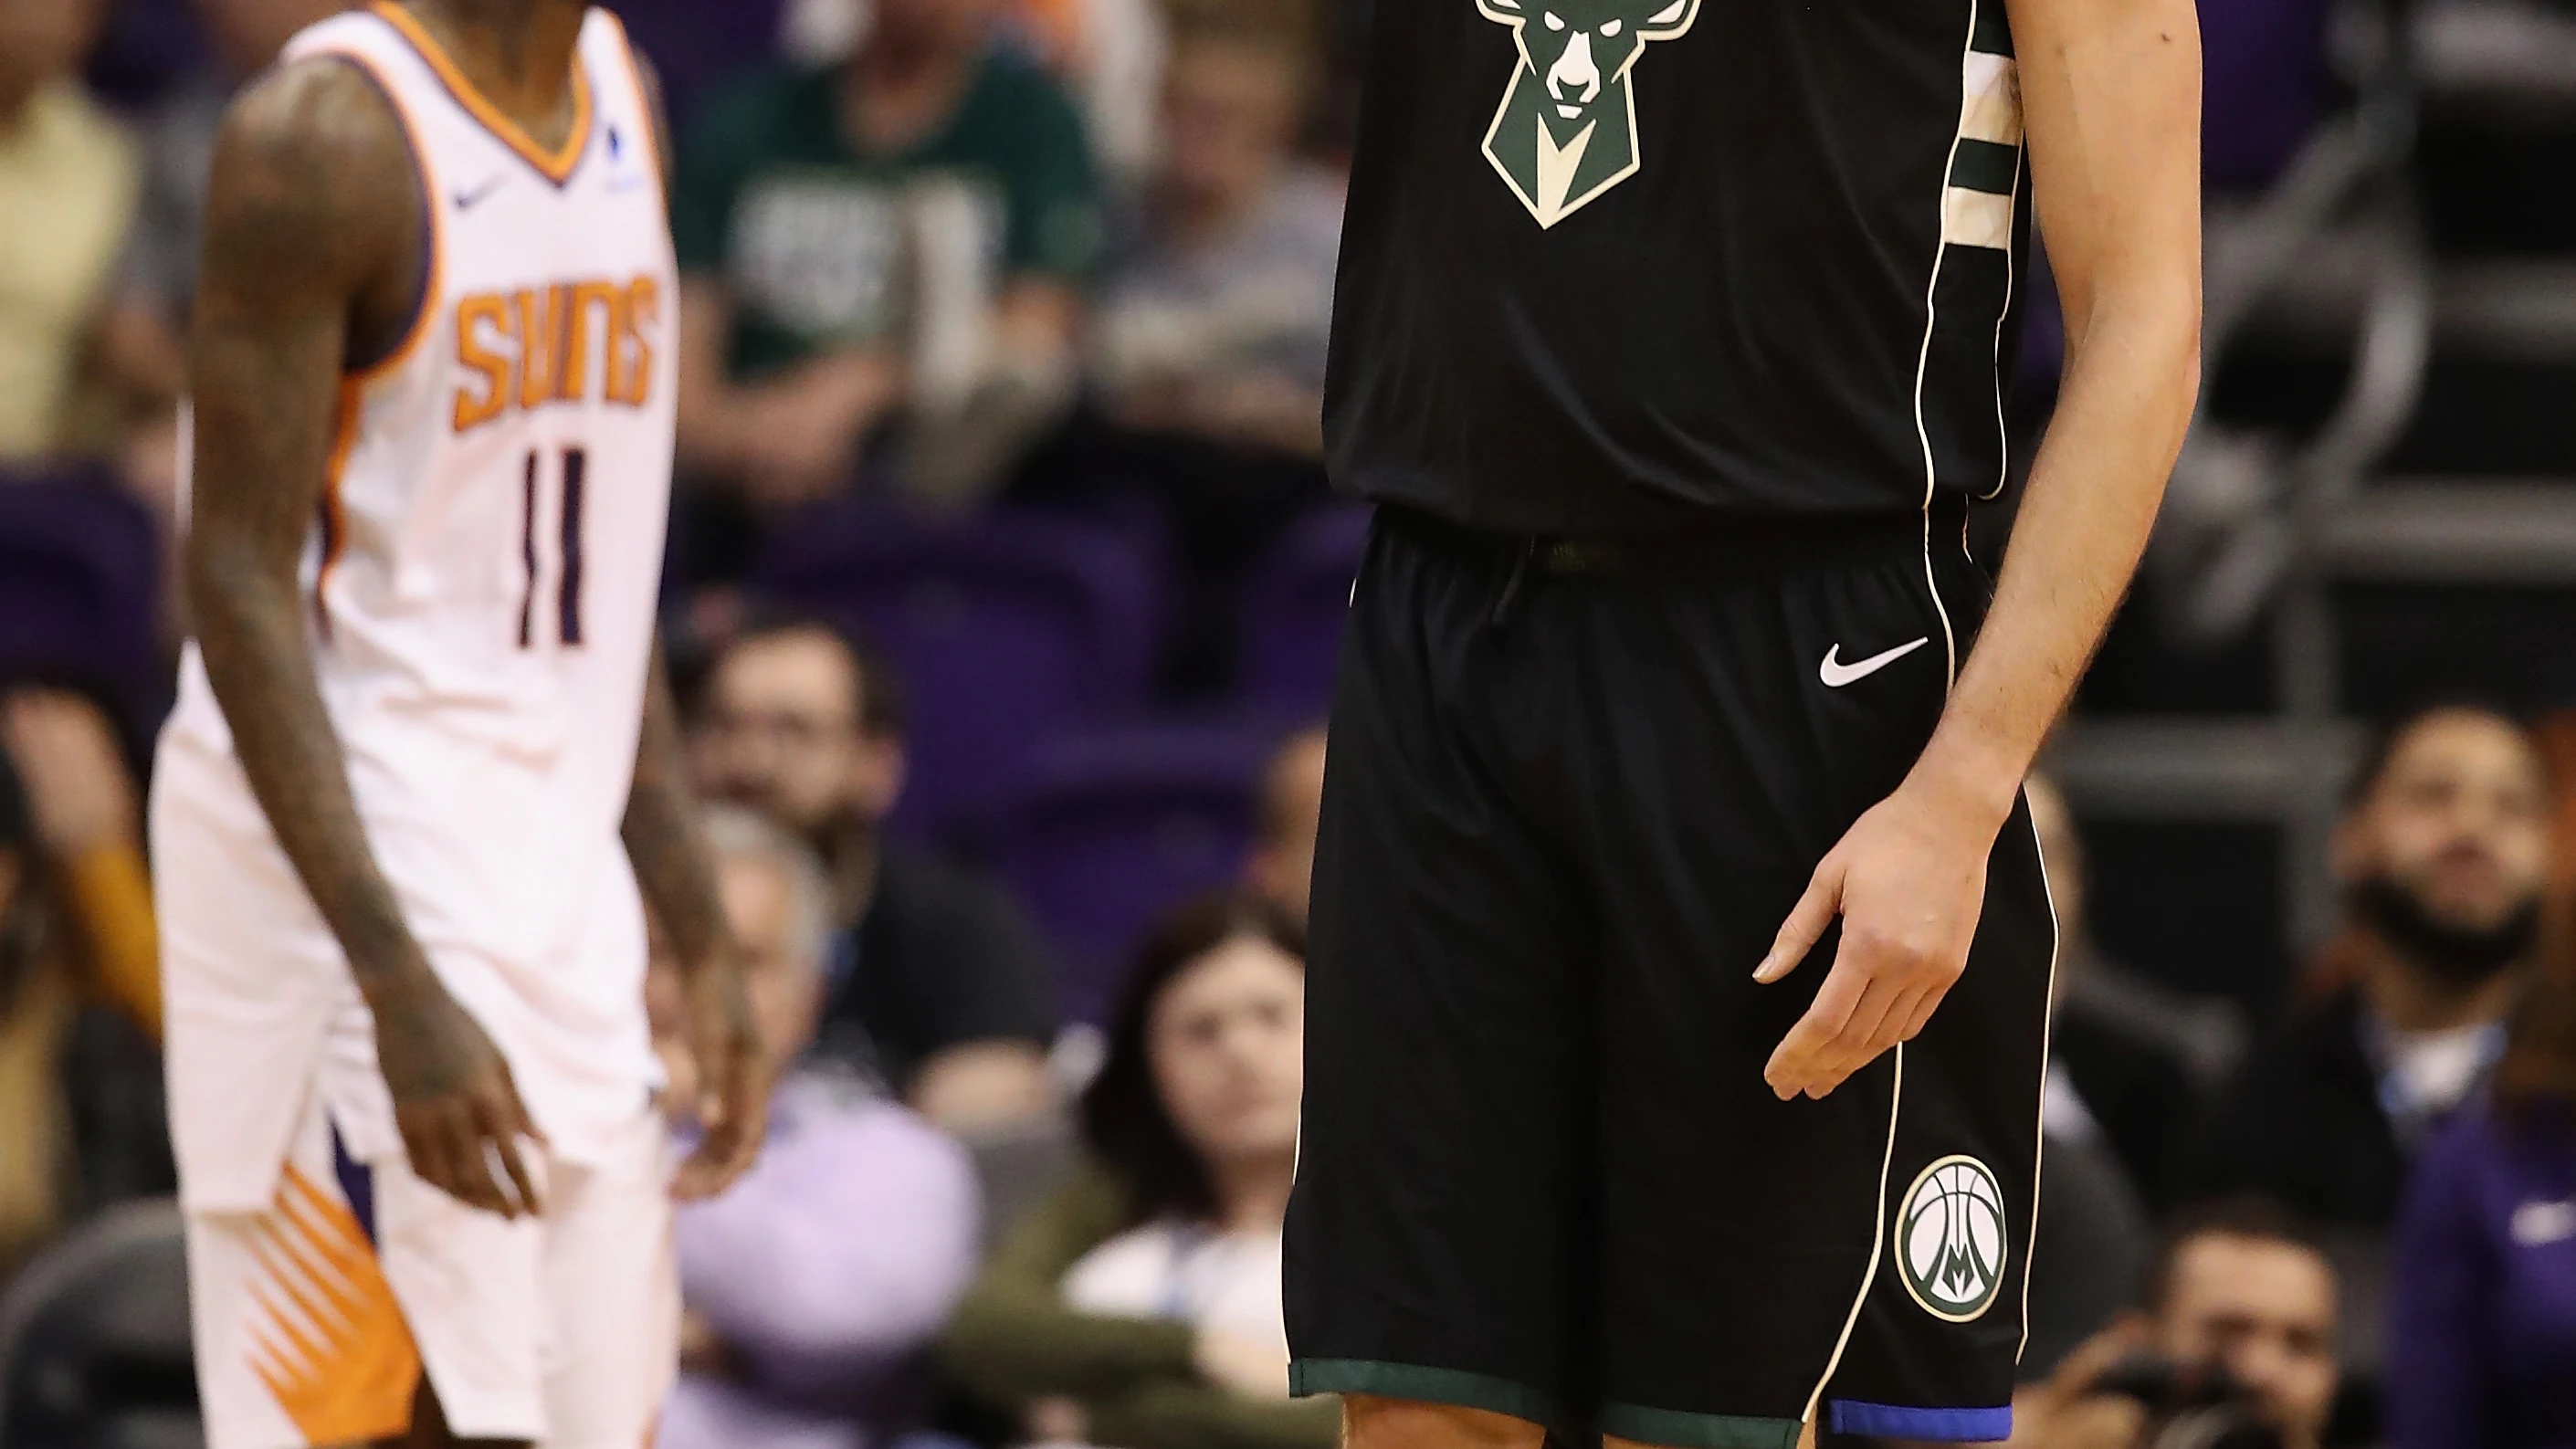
1950	1239
1567	128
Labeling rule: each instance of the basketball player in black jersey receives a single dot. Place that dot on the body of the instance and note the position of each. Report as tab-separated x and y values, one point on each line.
1681	951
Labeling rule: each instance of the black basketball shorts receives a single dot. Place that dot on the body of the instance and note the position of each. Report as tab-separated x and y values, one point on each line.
1572	789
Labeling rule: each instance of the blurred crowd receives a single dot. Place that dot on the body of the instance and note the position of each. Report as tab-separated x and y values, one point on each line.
950	260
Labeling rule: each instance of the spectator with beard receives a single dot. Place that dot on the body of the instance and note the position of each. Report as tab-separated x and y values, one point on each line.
936	981
2443	853
2239	1311
2482	1350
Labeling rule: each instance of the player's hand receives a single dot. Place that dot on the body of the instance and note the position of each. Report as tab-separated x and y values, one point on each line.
1909	881
461	1119
732	1078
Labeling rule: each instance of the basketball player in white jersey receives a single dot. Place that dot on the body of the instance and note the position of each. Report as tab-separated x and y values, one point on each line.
423	774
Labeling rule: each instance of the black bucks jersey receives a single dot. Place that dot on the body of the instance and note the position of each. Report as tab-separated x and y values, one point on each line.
1613	265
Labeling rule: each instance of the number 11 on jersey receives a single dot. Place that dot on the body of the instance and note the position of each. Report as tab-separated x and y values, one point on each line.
576	465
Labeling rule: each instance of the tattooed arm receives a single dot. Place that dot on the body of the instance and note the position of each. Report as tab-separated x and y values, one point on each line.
312	240
679	880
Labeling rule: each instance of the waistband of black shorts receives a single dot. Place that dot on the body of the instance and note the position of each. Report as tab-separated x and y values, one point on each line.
1729	547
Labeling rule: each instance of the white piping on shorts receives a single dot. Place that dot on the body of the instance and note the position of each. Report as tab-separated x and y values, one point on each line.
1877	1244
2003	435
2047	1027
1950	651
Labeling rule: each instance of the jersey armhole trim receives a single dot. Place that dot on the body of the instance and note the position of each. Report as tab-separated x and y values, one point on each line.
429	275
556	166
333	513
644	108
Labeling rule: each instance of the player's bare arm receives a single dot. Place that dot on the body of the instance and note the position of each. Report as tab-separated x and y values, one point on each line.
2111	90
678	879
313	230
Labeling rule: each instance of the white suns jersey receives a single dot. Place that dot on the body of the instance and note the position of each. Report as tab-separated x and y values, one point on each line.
483	574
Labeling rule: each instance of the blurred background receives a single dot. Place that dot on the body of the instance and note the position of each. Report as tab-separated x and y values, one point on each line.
1005	587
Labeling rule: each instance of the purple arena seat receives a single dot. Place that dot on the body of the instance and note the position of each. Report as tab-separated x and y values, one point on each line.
1293	609
1005	629
2266	88
1110	828
80	584
699	47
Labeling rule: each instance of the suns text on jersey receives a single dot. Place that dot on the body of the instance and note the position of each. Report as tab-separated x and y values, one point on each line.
533	347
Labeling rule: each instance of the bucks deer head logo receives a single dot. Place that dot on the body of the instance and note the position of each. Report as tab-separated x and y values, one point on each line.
1567	128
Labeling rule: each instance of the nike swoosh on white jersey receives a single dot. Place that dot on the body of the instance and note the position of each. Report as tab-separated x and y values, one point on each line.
1835	673
468	197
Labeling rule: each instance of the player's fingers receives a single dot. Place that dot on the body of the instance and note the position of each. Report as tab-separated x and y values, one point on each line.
722	1089
1805	924
472	1147
457	1153
504	1092
431	1155
1903	1005
1921	1016
1860	1041
424	1151
1869	1026
746	1116
501	1120
1792	1061
704	1173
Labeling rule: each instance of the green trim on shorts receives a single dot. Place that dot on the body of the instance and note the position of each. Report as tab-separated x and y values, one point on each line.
1697	1431
1423	1385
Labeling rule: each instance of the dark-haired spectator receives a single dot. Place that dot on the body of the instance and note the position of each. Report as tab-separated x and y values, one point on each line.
1139	1306
813	1287
1207	357
2132	1063
1212	314
1281	865
2443	855
81	1121
2482	1314
936	978
2240	1308
909	231
68	181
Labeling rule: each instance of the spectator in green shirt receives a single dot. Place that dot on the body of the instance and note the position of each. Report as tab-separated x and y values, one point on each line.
906	234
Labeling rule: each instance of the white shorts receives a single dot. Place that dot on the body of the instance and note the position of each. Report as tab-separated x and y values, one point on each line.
316	1317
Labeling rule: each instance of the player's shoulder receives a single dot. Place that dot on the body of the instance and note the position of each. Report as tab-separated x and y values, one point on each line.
314	187
315	139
